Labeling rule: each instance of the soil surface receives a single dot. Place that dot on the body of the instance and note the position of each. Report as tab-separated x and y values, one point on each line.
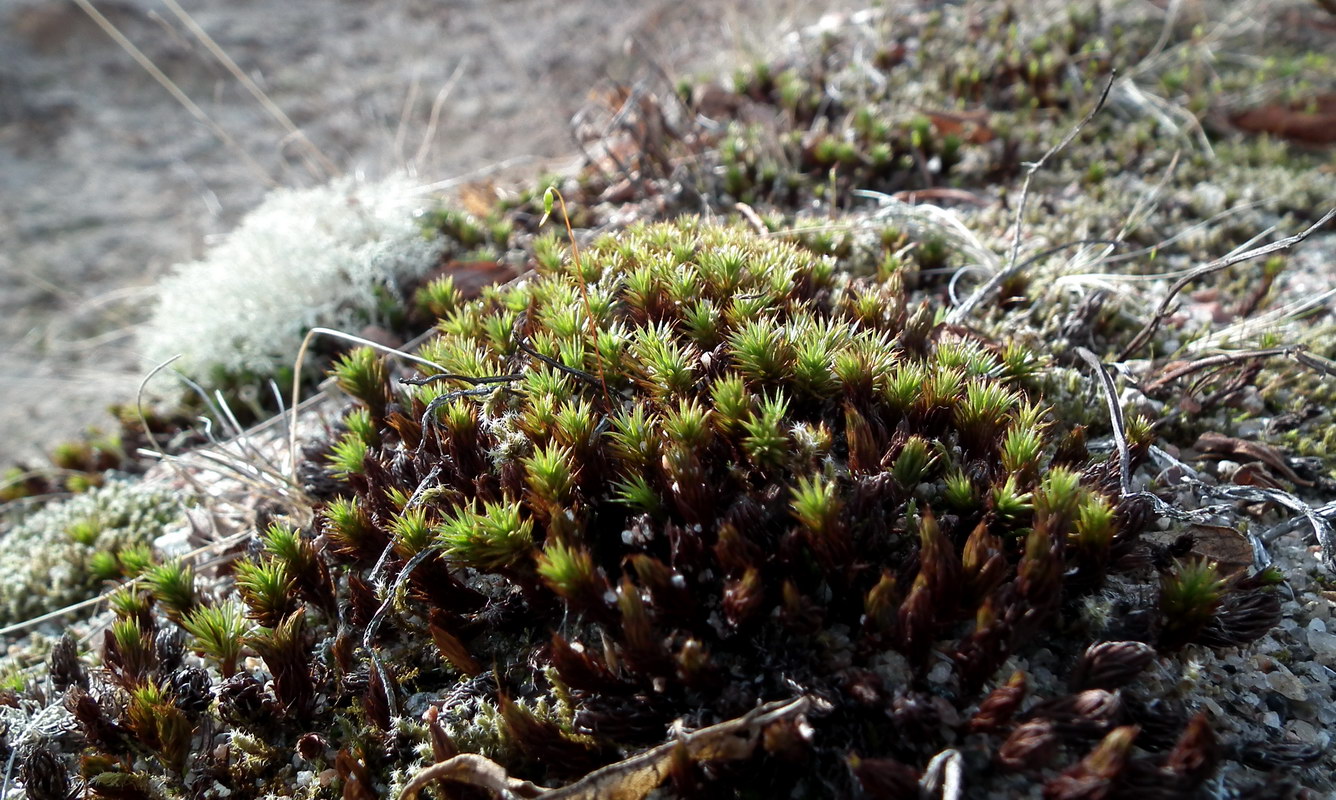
106	180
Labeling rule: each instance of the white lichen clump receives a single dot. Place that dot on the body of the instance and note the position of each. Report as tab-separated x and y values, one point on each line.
303	258
46	557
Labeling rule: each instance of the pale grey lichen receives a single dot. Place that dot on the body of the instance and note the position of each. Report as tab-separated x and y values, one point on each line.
45	555
311	257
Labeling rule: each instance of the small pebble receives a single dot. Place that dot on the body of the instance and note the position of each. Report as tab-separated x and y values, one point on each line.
1249	429
1302	731
1284	681
1323	644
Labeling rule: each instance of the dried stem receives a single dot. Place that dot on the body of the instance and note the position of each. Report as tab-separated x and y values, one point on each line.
1225	358
1115	419
1207	269
1013	258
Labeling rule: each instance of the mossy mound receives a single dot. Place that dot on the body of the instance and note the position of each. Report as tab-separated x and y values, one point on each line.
702	477
689	471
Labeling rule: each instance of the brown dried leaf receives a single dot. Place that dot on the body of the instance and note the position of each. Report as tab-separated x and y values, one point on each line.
1228	548
1311	121
454	650
471	277
1243	450
478	198
356	777
886	778
1255	474
971	126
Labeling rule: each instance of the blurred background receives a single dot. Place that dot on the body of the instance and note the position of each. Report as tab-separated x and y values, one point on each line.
107	180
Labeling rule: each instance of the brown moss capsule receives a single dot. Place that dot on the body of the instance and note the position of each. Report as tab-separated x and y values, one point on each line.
886	778
1111	665
997	708
743	597
1031	745
1095	777
983	561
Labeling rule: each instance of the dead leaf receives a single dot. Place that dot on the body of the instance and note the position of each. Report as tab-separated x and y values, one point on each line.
478	198
1225	546
1243	450
1255	474
971	126
471	277
356	778
454	650
1311	121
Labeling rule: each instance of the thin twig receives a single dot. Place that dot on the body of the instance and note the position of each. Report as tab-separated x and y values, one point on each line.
1215	266
374	624
527	349
1316	362
446	376
436	403
476	174
1225	358
401	130
434	118
1013	258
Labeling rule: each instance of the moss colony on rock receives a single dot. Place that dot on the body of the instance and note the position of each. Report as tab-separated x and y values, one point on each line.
688	472
749	505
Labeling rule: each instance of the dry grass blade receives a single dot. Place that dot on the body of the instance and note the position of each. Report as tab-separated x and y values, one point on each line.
1001	276
174	90
330	170
1215	266
1115	418
1221	360
221	544
434	119
1274	320
297	377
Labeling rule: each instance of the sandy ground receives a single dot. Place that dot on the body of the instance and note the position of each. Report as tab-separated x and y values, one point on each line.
106	181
